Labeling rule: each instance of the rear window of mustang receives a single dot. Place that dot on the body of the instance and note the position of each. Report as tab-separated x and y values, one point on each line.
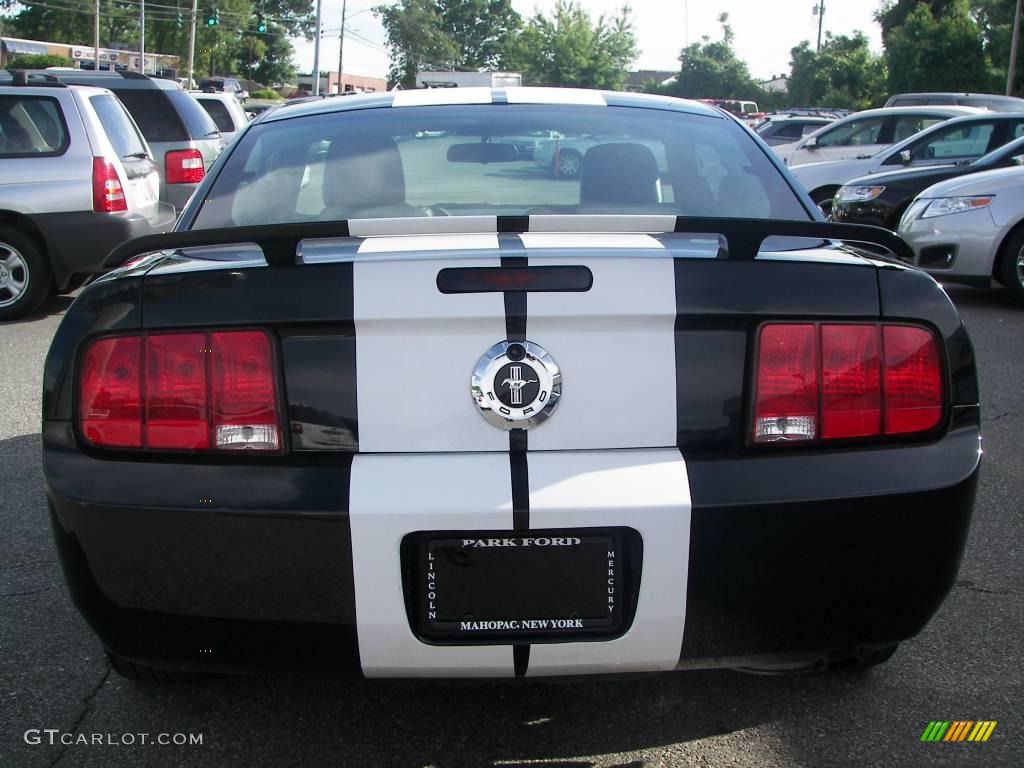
495	160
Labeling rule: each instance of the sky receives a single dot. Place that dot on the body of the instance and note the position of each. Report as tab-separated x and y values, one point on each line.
765	30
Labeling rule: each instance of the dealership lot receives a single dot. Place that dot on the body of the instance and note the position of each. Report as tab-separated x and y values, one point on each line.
966	665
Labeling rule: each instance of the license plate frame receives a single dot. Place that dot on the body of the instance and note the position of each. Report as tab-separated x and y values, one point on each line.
501	588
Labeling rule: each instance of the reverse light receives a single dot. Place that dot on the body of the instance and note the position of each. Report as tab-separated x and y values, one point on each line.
858	194
184	166
832	381
199	391
944	206
107	192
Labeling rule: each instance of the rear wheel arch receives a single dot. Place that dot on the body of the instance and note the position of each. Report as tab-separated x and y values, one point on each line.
27	227
1003	249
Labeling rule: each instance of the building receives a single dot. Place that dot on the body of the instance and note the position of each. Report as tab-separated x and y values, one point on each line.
349	83
778	84
83	56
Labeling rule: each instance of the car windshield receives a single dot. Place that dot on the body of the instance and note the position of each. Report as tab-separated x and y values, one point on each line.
495	160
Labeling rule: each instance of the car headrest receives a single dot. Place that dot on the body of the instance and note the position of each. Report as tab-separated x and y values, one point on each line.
363	172
619	173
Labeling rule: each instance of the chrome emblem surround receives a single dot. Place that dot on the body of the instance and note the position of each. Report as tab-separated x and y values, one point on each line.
516	384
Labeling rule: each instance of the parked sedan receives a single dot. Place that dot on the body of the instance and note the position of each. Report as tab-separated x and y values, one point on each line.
957	140
866	133
881	198
971	229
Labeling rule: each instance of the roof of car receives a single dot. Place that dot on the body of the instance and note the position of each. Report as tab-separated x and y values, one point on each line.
117	79
473	95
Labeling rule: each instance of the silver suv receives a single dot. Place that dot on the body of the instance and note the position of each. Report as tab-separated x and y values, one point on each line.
76	179
184	139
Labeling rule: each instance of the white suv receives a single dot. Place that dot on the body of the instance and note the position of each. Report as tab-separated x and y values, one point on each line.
76	179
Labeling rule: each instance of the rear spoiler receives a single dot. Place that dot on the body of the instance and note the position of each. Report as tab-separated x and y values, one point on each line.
743	237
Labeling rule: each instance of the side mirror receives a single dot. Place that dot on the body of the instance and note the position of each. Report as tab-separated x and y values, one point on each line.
811	143
1017	159
906	157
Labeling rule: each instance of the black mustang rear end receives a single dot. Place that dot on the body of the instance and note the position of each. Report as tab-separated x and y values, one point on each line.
599	431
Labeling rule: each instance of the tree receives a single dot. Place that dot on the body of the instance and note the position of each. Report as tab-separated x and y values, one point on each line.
845	73
569	49
415	39
933	47
447	34
711	69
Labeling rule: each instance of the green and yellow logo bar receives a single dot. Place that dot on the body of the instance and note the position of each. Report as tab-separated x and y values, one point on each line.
958	730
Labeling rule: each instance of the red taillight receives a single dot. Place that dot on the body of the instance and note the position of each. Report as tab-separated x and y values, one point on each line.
913	380
243	392
181	391
833	381
109	403
851	397
183	166
107	192
787	384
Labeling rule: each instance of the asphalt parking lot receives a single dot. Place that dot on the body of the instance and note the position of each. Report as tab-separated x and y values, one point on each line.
968	664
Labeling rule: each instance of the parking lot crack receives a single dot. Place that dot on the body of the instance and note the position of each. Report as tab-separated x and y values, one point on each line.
28	592
86	707
984	590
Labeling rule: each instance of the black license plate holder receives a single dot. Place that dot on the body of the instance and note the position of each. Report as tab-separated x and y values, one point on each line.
549	585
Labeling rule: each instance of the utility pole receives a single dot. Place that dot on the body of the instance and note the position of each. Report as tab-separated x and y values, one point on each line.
142	37
191	46
316	49
686	24
820	8
341	47
96	37
1014	43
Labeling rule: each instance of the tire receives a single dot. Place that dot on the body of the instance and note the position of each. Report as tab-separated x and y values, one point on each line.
569	164
1011	266
823	199
131	670
25	277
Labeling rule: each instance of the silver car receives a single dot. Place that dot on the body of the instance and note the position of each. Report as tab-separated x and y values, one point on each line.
76	179
971	229
184	139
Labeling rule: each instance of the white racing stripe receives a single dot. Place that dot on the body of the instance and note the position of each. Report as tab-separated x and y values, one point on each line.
615	346
391	496
422	97
415	351
645	490
535	95
635	241
414	243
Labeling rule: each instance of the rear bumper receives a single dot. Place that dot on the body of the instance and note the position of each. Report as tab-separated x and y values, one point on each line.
79	241
783	556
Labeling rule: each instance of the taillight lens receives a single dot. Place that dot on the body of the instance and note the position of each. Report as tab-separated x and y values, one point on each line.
196	391
107	192
109	402
244	401
183	166
787	384
835	381
913	380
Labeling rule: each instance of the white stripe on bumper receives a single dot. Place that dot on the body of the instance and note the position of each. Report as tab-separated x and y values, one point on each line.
645	490
394	495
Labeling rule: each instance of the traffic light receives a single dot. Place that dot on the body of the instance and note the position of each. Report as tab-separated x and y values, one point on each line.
213	18
261	23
